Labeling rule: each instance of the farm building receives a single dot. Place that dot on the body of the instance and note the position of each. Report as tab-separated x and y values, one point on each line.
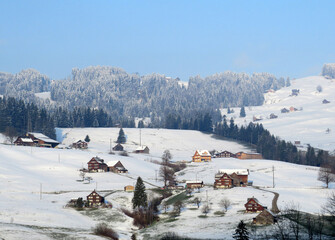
118	147
273	116
243	155
201	156
97	164
266	217
227	178
284	110
116	167
142	149
253	205
95	199
129	188
224	154
36	139
80	144
194	184
325	101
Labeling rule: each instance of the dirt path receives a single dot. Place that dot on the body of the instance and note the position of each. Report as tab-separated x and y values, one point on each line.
274	207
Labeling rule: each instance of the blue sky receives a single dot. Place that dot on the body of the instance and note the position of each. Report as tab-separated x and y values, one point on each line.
175	38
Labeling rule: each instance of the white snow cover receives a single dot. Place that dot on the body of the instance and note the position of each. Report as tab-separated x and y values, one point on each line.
27	140
43	137
237	171
25	170
203	152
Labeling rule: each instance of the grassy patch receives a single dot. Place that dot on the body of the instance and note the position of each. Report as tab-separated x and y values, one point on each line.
193	208
202	216
104	215
179	197
219	213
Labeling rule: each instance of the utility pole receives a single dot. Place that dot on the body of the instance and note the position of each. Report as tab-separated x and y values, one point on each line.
273	176
96	186
156	174
110	145
58	157
140	138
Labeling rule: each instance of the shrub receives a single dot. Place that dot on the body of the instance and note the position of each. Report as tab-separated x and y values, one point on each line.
103	230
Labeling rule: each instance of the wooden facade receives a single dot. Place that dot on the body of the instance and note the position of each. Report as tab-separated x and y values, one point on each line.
253	205
142	149
266	217
201	156
228	178
129	188
223	180
97	164
95	199
36	139
225	154
116	167
118	147
24	141
80	144
243	155
194	184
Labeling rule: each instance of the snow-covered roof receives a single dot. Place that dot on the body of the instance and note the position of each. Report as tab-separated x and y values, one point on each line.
141	148
194	182
237	171
27	140
112	163
43	137
203	152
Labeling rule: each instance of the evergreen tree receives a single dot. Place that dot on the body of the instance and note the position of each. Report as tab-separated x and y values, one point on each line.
241	232
242	112
121	138
140	197
87	139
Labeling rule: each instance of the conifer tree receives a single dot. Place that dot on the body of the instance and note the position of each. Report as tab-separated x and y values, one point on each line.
87	139
121	138
140	197
242	112
241	232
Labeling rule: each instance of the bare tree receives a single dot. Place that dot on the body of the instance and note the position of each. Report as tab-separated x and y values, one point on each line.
225	203
165	206
11	134
326	174
205	209
167	175
197	201
329	208
82	175
177	206
166	157
319	88
294	214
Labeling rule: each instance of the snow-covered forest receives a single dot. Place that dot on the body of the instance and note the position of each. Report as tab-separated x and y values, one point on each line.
123	94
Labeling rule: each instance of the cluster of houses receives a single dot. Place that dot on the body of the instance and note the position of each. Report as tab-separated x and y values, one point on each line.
33	139
228	178
97	164
265	215
205	156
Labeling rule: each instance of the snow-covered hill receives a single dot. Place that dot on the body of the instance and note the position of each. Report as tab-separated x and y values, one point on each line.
24	170
309	123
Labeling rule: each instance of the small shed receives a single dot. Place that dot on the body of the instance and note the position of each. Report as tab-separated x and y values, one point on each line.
194	184
266	217
284	110
142	149
116	167
118	147
325	101
129	188
273	116
80	144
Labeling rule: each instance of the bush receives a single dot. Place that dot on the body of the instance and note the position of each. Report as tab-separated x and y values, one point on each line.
173	236
103	230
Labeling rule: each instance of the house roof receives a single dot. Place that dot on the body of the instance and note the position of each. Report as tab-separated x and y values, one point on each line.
256	200
194	182
141	148
96	193
203	152
112	163
27	140
100	160
42	137
237	171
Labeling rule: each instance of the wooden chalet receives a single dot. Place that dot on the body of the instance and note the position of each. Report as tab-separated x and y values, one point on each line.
266	217
253	205
224	154
228	178
95	199
194	184
201	156
97	164
118	147
142	149
80	144
129	188
243	155
116	167
257	118
36	139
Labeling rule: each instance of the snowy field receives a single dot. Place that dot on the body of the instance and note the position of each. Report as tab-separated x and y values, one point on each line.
24	170
309	123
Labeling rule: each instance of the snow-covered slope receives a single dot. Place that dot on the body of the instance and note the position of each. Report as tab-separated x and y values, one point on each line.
24	170
310	123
